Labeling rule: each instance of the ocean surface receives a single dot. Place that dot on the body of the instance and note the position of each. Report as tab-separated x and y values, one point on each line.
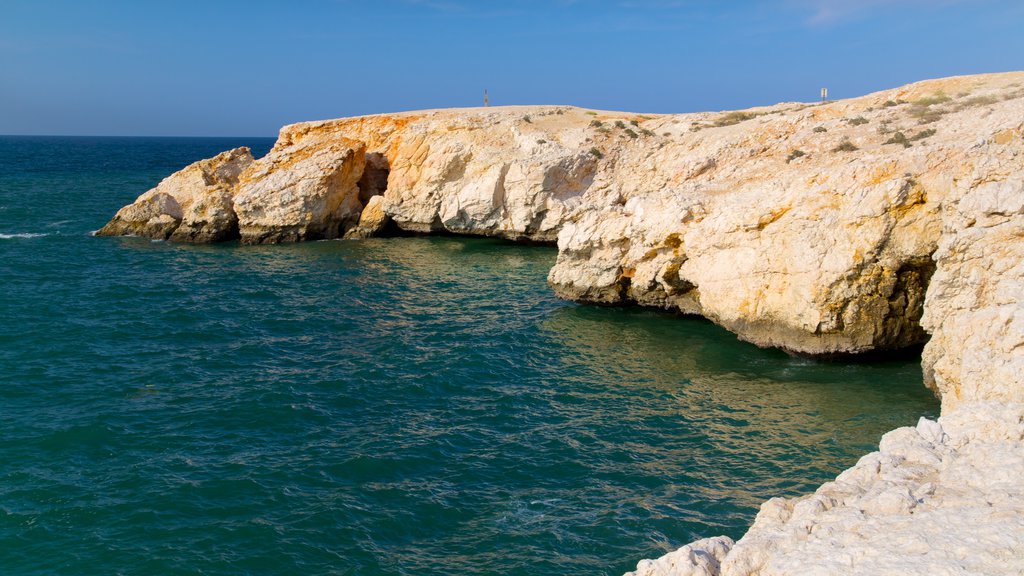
388	406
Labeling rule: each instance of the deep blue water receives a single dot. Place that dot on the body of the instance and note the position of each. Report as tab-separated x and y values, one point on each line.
388	406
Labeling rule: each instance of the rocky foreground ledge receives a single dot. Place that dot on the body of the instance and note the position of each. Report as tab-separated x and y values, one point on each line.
873	223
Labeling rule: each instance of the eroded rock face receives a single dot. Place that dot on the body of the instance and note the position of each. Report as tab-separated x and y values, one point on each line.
512	172
974	302
808	228
305	191
193	204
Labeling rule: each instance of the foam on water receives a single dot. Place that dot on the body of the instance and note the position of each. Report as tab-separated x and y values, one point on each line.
4	236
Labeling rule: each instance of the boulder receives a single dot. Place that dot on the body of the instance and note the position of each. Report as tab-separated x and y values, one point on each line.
193	204
306	191
372	221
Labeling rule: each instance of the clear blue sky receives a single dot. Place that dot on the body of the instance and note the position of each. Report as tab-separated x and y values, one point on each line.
173	67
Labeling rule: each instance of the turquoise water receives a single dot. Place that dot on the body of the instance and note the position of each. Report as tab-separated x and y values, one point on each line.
389	406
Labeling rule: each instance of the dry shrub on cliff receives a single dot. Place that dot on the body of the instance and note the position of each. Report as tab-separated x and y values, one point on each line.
976	101
845	146
937	98
858	121
899	138
923	110
794	155
819	129
1012	95
731	118
923	134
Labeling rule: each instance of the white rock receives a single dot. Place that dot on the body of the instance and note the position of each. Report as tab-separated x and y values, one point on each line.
193	204
701	558
304	191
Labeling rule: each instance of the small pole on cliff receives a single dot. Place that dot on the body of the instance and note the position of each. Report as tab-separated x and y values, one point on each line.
824	94
486	103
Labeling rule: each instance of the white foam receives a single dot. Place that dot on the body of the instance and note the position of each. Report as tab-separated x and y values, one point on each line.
22	235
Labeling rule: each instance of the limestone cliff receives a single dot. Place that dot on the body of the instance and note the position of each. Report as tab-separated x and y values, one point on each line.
809	227
822	229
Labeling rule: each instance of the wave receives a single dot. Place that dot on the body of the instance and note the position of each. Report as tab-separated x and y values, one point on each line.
21	235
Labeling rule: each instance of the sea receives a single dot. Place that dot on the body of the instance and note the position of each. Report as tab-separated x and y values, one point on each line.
418	405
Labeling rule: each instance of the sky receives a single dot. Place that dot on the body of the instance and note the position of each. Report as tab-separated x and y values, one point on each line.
245	68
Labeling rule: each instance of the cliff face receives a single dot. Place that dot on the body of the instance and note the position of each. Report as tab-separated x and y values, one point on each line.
809	227
822	229
974	310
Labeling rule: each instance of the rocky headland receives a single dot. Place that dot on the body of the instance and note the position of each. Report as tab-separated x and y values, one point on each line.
876	223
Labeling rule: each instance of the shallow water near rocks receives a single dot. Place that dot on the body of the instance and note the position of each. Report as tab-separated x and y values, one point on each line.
388	406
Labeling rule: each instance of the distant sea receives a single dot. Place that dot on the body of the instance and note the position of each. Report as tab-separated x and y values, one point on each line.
390	406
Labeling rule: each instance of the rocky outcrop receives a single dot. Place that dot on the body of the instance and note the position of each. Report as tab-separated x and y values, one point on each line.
940	498
514	172
192	205
809	227
304	191
700	558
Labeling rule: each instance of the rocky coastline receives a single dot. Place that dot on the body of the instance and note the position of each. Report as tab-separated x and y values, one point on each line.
876	223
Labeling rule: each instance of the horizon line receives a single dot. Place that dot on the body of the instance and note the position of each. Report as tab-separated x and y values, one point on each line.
123	136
